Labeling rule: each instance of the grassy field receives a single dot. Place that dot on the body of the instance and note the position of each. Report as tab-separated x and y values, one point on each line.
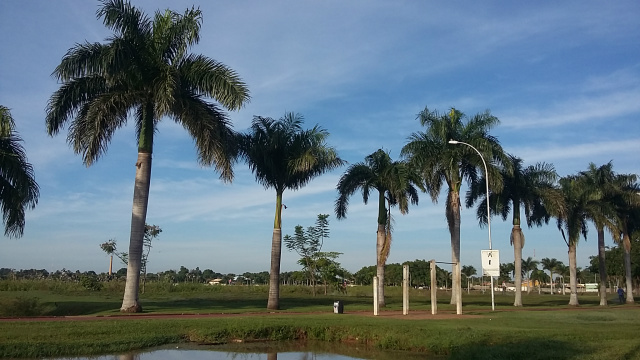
545	328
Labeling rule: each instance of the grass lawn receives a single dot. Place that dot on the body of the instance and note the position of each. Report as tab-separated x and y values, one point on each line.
545	328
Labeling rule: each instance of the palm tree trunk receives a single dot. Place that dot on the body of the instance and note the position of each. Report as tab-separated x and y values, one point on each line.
273	303
130	301
573	298
453	218
516	235
380	262
627	267
551	280
601	267
274	276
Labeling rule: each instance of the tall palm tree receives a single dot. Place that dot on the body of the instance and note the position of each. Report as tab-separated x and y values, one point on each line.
551	265
438	163
284	156
18	188
601	183
572	222
529	265
530	188
627	208
145	70
396	184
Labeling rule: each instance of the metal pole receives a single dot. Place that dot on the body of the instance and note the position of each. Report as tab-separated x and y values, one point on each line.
486	178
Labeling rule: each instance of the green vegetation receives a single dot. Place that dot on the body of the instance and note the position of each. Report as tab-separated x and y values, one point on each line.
562	332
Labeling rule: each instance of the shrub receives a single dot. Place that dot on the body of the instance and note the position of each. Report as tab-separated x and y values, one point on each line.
90	283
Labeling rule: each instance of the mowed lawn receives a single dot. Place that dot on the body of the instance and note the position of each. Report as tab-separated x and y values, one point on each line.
545	328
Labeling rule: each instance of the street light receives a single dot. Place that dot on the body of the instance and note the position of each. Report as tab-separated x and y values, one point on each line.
486	178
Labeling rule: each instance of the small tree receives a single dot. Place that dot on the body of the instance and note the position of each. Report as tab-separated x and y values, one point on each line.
151	232
111	248
308	245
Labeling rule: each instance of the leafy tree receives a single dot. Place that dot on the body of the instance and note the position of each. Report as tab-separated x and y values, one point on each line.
530	188
151	232
111	248
145	70
308	244
330	270
283	156
395	182
438	163
18	188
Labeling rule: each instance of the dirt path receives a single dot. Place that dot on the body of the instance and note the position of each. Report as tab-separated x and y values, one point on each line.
412	315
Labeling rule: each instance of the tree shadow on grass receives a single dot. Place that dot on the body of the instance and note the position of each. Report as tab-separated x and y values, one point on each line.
533	349
75	308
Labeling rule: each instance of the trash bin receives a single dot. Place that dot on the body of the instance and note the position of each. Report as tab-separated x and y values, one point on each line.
338	307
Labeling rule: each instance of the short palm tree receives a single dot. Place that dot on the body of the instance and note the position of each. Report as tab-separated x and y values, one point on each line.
284	156
396	184
145	70
439	162
468	271
530	188
18	188
551	265
529	265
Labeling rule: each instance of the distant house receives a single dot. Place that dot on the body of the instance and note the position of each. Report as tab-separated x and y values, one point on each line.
215	282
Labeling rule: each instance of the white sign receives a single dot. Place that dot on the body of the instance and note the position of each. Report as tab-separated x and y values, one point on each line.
490	262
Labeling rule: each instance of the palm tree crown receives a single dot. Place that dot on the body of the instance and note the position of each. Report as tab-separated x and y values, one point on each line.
144	70
18	188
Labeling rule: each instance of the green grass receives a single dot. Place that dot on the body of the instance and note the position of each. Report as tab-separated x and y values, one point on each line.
532	332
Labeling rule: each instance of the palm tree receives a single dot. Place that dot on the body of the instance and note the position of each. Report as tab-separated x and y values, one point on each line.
18	188
468	271
528	266
283	156
530	188
572	222
395	182
438	162
551	265
601	183
540	277
145	70
627	219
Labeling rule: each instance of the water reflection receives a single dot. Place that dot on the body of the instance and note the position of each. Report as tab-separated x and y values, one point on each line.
259	351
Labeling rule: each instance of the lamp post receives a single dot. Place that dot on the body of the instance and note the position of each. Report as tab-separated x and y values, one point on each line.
486	177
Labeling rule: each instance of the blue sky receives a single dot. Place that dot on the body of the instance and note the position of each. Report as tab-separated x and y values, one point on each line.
563	78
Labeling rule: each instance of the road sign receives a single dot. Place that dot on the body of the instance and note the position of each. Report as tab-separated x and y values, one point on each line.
490	262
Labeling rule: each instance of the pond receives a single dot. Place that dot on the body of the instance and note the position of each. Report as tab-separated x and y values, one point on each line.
259	351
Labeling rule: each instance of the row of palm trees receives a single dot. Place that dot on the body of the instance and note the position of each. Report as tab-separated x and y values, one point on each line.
145	70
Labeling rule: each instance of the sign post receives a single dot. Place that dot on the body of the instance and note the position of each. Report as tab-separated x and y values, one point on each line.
491	268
